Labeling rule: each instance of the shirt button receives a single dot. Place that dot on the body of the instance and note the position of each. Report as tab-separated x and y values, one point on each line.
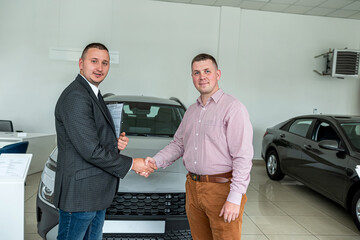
204	109
195	162
199	120
195	148
197	134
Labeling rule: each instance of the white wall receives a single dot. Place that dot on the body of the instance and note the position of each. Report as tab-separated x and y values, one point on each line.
276	78
266	58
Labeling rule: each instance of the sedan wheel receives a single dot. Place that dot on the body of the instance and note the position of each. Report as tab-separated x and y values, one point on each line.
355	209
273	166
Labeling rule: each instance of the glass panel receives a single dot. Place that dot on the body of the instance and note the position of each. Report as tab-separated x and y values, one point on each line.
352	130
325	132
151	119
300	127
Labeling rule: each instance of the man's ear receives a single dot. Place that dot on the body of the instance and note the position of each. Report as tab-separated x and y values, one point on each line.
81	63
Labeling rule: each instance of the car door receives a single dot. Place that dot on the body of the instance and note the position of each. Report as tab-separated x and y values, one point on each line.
292	142
324	169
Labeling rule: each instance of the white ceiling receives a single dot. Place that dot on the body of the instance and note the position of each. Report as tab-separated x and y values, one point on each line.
329	8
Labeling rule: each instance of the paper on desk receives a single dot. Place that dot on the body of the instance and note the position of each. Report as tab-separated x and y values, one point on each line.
357	169
115	111
22	134
12	167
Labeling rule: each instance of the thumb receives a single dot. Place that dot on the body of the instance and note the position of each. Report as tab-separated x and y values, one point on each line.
123	134
221	212
146	161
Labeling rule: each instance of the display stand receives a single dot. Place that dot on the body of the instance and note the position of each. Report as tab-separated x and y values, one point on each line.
13	171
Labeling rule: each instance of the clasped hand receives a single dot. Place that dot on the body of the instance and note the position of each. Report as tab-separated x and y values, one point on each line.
123	141
144	167
141	166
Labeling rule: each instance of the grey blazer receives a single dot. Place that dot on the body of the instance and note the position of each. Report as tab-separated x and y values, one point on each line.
89	164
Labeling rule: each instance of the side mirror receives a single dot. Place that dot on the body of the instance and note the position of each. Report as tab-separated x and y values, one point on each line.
331	145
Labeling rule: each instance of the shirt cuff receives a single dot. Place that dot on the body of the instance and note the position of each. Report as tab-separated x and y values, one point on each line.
131	165
159	162
234	197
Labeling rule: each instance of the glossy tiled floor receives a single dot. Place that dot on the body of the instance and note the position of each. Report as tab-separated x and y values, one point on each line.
284	210
32	184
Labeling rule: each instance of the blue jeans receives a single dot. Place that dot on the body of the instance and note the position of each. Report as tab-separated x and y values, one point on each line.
81	225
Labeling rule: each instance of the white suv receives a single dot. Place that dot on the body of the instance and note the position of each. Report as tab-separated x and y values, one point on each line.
143	208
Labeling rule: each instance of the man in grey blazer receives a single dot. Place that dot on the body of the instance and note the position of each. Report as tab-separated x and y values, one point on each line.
89	164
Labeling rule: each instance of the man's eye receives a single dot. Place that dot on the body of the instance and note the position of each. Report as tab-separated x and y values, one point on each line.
93	61
196	73
105	63
207	71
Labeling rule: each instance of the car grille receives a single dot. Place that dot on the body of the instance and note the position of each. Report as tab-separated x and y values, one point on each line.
147	204
181	234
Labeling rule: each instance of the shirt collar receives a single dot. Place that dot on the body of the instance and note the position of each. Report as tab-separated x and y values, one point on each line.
215	97
93	87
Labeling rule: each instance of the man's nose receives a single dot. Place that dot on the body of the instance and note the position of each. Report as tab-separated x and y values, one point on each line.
100	67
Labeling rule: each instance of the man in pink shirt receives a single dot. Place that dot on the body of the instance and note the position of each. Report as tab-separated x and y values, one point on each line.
215	141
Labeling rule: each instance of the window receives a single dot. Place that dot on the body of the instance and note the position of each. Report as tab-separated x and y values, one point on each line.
300	127
352	130
151	119
324	131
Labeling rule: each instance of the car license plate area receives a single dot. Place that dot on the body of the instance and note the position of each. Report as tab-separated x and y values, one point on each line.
134	226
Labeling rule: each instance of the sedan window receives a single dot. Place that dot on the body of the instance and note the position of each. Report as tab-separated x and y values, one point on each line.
325	132
300	127
352	130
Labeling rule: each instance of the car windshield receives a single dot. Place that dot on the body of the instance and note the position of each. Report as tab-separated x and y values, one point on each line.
352	130
149	119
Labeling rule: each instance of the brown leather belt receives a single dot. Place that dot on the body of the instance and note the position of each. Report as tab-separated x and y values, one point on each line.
217	178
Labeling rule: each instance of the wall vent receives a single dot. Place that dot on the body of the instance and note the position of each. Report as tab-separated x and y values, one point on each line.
341	63
345	63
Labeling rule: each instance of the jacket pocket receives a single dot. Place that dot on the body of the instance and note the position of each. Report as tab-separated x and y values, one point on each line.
88	172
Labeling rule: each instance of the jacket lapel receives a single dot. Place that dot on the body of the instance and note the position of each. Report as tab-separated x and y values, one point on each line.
99	102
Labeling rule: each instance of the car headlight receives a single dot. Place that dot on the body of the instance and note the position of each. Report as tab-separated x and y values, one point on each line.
46	188
46	193
51	164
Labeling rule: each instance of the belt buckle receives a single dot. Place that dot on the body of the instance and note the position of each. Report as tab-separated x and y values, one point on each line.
195	177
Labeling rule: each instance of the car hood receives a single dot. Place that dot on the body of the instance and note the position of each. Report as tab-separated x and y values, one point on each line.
356	155
157	182
170	179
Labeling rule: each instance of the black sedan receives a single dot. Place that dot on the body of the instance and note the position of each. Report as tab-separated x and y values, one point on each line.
322	152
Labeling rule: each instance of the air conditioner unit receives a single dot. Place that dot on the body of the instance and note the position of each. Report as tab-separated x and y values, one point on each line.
340	63
343	63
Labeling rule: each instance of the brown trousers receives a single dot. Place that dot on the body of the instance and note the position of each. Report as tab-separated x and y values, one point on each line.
204	201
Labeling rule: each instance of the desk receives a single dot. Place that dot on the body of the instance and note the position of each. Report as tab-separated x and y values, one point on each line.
40	145
13	171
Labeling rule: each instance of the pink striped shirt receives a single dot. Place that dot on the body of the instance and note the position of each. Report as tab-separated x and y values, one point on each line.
212	139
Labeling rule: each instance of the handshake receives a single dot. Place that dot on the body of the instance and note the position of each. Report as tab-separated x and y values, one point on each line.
144	166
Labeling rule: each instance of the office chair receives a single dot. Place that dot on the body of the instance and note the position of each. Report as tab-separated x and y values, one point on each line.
6	126
19	147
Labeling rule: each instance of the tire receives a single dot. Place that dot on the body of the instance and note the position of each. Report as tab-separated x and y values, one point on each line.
355	209
273	166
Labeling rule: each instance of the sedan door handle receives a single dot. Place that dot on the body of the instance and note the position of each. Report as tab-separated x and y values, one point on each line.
308	147
282	135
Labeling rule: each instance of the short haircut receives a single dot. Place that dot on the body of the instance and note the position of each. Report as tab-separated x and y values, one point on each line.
203	57
93	45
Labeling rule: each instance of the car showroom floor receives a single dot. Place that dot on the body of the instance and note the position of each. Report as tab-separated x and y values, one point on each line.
285	210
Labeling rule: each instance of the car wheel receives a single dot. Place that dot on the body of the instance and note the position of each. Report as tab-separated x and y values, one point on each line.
355	209
273	166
